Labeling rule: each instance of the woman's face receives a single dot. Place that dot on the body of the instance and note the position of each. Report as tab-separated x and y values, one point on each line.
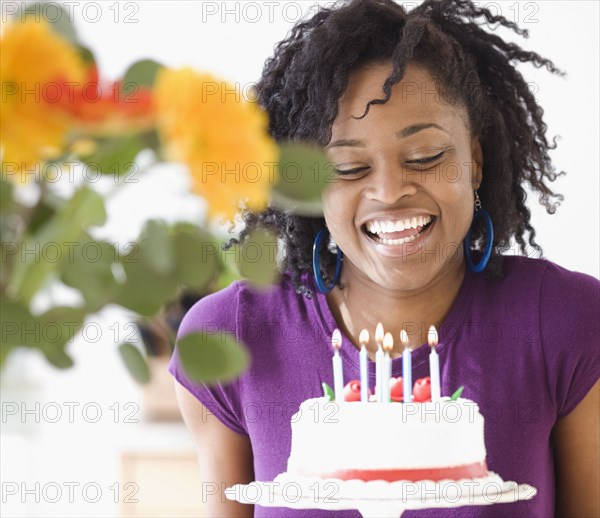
401	223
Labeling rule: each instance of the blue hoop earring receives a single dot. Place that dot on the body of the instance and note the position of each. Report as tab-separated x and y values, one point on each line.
323	288
489	244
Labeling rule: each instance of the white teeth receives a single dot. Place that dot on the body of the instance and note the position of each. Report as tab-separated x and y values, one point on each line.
396	241
380	227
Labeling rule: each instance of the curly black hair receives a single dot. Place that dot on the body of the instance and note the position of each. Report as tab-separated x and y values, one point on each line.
308	73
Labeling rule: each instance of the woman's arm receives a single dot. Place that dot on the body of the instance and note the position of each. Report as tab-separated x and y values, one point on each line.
576	440
225	457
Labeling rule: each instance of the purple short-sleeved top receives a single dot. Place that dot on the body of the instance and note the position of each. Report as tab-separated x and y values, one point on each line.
525	347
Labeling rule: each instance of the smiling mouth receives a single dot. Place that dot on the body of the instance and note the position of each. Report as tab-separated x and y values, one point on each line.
389	237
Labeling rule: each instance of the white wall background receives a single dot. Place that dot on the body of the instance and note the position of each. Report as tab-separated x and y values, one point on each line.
232	39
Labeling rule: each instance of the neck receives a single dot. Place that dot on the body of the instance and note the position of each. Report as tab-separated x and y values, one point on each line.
362	304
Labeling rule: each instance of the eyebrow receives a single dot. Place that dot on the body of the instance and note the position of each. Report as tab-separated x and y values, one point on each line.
406	132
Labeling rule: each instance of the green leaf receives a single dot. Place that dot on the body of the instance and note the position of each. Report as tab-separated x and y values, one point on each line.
303	174
89	269
115	155
144	291
135	362
16	323
141	73
151	140
328	391
6	200
312	209
155	245
5	350
53	240
49	332
258	258
57	356
214	357
61	323
57	327
42	213
228	272
457	394
87	55
86	207
197	257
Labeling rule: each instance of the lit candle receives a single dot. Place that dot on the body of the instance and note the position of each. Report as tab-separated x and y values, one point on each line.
338	371
388	345
379	361
406	368
434	364
364	371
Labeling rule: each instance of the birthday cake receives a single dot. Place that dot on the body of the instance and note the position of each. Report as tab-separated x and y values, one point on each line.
351	440
404	432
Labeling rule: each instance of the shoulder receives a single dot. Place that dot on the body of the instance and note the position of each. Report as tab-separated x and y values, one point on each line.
541	294
211	312
566	302
241	302
548	278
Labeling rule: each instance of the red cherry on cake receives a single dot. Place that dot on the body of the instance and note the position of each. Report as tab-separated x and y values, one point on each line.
352	391
422	390
396	393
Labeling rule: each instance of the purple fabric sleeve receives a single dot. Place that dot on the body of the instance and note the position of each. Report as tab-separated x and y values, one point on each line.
216	312
570	333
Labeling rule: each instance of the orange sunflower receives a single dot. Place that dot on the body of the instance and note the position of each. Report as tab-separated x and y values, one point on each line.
35	66
222	137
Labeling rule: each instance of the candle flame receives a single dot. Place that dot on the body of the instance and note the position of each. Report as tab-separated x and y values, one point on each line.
404	337
379	333
432	336
336	339
404	340
363	337
388	342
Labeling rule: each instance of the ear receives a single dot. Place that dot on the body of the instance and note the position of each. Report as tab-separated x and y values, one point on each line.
477	163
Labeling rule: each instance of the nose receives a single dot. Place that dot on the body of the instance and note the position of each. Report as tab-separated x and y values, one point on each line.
389	183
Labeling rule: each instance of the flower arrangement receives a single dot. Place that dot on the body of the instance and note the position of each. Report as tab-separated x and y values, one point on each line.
58	111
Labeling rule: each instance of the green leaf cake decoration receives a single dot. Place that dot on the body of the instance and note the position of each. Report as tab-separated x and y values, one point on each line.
328	391
457	394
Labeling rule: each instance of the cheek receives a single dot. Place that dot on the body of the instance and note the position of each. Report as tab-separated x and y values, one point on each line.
339	210
337	205
458	209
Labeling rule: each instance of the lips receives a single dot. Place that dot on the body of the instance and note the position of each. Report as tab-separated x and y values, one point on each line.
395	232
391	224
397	243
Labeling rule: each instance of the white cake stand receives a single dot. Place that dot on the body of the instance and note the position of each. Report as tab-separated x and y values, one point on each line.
378	498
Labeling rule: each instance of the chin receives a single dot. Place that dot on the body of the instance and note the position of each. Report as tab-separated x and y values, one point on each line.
409	279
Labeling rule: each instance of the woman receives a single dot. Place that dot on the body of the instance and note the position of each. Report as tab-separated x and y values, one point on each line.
434	134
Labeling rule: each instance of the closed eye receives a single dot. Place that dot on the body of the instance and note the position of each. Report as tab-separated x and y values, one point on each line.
343	172
426	160
420	161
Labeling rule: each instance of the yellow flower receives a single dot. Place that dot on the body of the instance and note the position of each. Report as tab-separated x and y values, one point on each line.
35	66
222	137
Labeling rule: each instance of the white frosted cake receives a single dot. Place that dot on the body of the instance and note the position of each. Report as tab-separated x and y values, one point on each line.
388	441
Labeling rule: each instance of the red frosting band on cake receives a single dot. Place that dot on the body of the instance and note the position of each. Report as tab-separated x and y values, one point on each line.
474	470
